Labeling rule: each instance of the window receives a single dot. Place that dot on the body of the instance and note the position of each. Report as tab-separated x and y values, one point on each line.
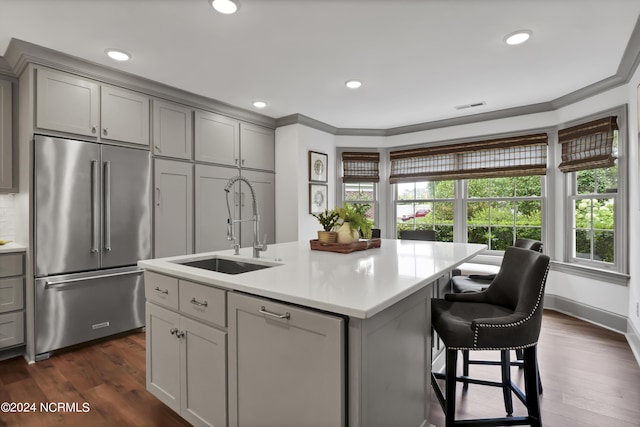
360	175
504	197
501	210
361	193
426	206
590	154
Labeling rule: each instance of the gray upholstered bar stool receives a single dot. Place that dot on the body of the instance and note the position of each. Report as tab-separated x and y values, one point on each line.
506	316
429	235
477	283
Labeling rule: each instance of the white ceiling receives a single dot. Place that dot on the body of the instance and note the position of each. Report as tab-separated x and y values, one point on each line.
418	59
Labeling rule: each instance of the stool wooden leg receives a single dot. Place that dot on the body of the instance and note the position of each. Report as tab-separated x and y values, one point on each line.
531	379
505	366
465	368
450	387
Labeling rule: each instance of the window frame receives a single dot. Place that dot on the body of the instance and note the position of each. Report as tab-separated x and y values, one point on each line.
511	199
374	203
414	201
621	249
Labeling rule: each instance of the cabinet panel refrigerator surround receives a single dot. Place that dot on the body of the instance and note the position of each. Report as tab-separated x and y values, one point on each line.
92	224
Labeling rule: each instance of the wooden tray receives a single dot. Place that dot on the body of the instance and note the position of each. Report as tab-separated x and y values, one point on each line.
345	248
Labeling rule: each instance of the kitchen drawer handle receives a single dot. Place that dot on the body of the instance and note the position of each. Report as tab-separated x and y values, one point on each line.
166	291
198	303
264	311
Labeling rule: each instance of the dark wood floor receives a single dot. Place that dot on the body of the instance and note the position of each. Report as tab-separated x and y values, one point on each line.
589	376
590	379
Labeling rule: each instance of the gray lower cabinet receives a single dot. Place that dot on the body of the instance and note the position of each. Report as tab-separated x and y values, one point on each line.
11	300
264	184
6	136
186	355
211	207
286	365
173	208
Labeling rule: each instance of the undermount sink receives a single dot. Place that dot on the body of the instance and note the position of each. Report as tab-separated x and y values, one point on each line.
226	266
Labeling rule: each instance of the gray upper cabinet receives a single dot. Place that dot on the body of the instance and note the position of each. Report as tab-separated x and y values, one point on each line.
67	103
229	142
125	116
71	104
217	139
6	137
257	147
172	130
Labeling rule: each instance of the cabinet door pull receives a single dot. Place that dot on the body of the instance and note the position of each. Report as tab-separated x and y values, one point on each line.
105	131
166	291
173	331
264	311
94	128
194	301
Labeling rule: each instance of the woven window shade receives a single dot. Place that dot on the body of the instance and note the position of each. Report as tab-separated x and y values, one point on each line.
516	156
588	146
360	167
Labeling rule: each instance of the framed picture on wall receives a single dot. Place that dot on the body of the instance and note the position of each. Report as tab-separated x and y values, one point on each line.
317	166
317	198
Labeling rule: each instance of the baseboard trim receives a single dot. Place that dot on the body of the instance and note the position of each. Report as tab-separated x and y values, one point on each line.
606	319
633	338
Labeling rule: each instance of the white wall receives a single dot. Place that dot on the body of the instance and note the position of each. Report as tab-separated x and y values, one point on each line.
293	143
7	217
634	201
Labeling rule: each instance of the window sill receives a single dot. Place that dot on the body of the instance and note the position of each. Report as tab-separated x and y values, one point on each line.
612	277
608	276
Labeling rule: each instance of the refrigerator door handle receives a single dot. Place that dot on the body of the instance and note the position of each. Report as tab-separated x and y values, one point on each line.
95	206
107	206
61	283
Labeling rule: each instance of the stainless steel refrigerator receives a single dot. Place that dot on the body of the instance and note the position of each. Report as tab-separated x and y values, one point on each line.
92	224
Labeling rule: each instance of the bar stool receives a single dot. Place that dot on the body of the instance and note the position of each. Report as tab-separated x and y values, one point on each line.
506	316
478	283
429	235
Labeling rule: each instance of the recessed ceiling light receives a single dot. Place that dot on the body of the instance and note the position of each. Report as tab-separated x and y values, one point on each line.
225	6
353	84
118	55
517	37
259	104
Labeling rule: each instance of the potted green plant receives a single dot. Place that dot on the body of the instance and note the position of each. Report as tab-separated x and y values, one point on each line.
353	221
328	219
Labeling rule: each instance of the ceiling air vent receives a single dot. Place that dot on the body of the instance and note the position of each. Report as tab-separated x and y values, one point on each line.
475	104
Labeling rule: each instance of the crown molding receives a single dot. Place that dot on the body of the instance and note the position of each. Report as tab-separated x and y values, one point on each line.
627	67
19	54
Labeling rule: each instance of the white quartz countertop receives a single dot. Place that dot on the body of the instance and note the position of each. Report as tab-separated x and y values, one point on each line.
359	284
12	247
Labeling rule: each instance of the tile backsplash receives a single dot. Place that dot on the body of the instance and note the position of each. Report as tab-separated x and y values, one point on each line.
7	217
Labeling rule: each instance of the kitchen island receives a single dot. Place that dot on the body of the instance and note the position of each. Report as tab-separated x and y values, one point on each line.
314	338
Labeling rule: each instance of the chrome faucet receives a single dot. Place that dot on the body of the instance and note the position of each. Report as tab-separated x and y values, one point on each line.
231	236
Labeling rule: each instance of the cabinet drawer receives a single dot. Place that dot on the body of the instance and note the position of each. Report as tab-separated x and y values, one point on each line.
203	302
161	289
11	329
11	294
11	265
